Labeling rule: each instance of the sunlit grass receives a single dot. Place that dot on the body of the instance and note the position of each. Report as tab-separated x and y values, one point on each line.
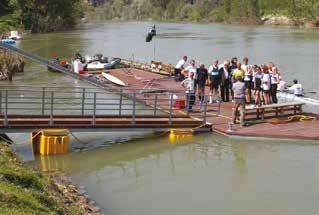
25	191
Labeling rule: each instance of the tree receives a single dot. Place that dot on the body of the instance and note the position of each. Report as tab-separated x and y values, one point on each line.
161	3
7	6
49	15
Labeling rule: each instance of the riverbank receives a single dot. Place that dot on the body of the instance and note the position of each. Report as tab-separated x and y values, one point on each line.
267	21
27	191
240	12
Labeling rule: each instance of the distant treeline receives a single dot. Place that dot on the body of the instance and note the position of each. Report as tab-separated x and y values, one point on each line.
206	10
40	15
53	15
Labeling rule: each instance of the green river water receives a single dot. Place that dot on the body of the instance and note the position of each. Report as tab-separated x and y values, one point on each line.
204	174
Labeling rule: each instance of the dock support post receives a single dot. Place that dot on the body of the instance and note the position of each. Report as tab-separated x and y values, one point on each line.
94	109
51	108
0	101
171	109
155	105
6	110
121	102
43	101
83	101
134	109
205	108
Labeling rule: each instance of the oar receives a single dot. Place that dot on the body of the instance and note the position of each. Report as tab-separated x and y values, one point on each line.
311	92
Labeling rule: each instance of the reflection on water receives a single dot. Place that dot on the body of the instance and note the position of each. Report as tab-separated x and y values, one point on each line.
202	174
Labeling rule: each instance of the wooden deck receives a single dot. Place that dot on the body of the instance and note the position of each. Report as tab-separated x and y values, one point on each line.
84	123
137	79
290	130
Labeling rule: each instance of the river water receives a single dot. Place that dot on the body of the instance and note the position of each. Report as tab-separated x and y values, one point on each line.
203	174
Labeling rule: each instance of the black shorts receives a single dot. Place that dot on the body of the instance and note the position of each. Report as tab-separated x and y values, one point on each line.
248	85
177	72
258	88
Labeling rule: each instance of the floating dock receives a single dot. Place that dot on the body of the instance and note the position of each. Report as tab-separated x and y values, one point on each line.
149	82
220	115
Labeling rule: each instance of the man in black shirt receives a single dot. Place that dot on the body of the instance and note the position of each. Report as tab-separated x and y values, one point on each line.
201	80
225	74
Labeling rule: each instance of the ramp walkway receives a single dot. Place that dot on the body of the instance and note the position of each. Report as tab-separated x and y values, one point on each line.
36	58
24	109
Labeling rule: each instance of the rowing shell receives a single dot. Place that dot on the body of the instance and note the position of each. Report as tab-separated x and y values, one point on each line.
291	97
114	79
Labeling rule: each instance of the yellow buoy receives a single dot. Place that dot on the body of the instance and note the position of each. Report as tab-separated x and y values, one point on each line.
50	141
179	134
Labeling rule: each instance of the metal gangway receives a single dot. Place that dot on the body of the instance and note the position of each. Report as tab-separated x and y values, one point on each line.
53	65
37	58
26	109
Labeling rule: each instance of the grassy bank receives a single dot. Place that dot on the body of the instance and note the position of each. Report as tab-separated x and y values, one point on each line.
26	191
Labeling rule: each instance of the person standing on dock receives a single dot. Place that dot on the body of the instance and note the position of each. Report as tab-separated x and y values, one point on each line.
275	80
225	73
238	73
201	81
257	80
179	69
191	69
232	67
214	78
247	68
239	99
266	84
189	85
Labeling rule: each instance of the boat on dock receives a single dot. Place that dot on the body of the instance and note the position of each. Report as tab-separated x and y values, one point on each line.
114	79
154	66
62	63
8	41
290	97
98	65
14	35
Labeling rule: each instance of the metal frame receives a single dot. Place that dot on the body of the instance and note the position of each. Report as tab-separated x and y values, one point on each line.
54	101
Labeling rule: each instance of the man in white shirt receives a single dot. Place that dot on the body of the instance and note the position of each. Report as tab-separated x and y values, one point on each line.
189	85
245	64
191	69
179	68
296	88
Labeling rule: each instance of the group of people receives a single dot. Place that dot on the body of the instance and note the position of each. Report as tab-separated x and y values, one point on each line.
241	82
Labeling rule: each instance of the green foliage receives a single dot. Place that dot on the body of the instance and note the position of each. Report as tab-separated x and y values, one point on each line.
24	191
7	6
9	21
49	15
52	15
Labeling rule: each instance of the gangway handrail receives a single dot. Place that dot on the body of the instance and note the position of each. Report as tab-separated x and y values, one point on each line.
37	58
32	103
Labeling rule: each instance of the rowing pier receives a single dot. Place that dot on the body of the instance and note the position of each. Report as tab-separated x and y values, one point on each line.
154	92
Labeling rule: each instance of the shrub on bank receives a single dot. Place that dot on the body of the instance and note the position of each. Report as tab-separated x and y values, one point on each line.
10	64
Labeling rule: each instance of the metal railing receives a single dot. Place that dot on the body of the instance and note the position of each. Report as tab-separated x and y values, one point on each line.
94	102
35	58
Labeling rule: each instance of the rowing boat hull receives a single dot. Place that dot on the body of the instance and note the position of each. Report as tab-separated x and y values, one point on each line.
291	97
114	79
